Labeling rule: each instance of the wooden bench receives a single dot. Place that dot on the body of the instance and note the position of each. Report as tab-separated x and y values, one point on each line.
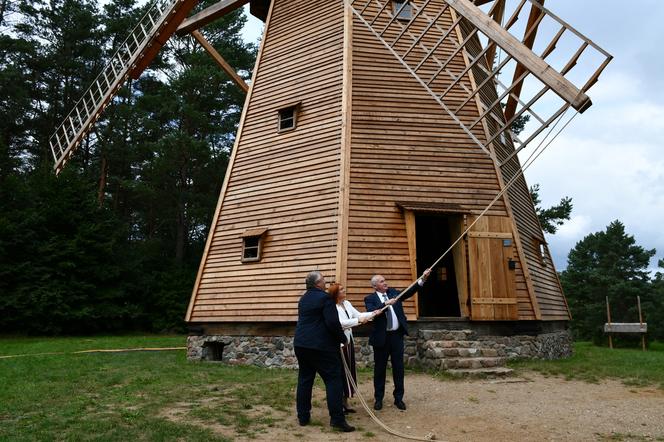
612	328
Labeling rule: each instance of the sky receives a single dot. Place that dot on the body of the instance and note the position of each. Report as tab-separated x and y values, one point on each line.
609	159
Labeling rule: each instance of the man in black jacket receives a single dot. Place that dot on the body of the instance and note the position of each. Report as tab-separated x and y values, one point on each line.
318	336
387	336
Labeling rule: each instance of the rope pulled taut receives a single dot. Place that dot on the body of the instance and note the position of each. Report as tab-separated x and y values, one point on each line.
529	161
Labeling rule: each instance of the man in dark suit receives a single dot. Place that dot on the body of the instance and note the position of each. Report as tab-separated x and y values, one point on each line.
387	336
318	336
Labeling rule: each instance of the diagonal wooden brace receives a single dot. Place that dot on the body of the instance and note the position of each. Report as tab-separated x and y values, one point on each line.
510	44
220	61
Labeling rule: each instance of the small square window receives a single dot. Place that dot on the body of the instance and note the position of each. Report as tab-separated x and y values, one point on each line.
252	243
287	118
250	249
403	8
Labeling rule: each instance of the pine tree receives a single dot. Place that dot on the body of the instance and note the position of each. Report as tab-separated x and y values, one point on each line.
605	264
553	217
115	241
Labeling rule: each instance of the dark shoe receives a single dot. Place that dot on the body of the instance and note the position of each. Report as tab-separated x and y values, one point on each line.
400	405
343	427
378	405
303	422
349	410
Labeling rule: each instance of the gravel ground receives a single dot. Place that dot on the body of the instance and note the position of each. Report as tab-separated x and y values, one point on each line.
527	408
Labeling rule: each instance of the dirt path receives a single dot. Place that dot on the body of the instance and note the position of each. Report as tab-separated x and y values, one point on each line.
531	408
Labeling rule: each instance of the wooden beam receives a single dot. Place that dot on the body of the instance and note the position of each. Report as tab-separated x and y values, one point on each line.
529	35
220	61
538	67
178	14
498	14
208	15
341	264
409	218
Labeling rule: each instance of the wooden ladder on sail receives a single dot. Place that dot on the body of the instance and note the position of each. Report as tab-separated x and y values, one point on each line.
415	32
132	57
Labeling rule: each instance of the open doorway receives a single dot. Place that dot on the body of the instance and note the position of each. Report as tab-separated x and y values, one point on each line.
439	297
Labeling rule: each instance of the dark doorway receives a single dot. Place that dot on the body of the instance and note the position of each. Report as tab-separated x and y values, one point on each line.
439	296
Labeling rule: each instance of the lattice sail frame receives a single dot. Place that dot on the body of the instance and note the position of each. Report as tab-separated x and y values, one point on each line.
87	110
535	83
535	87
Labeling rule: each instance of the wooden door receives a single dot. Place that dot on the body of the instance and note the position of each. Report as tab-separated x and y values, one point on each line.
491	259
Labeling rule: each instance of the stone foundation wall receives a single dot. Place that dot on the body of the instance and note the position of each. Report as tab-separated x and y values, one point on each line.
269	351
427	348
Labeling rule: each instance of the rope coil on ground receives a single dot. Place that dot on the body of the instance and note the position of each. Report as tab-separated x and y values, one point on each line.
349	376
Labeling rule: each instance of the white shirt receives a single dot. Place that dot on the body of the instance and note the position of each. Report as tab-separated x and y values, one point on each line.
383	297
350	317
390	311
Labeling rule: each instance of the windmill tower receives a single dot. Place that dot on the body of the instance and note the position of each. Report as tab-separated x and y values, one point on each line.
376	135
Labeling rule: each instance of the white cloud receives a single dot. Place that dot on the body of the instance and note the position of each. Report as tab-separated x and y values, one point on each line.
609	161
575	228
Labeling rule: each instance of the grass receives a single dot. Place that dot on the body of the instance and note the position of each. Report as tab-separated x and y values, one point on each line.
592	364
161	396
133	396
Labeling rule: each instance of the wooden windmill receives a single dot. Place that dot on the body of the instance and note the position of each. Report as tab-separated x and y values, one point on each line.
374	134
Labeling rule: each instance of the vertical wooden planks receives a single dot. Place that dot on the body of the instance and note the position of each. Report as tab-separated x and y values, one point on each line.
404	148
460	264
493	290
344	162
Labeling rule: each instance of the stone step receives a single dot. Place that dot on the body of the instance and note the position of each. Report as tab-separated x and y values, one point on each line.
453	343
440	335
461	352
484	371
479	362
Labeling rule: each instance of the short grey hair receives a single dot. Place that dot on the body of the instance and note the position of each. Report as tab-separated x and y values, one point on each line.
312	279
374	280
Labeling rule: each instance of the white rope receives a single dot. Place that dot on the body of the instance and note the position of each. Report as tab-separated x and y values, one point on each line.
529	161
349	377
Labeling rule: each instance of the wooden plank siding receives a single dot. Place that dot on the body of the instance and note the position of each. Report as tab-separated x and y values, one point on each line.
287	182
368	136
542	273
405	147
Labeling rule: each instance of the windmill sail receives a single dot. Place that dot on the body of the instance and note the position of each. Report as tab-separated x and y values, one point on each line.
420	35
131	58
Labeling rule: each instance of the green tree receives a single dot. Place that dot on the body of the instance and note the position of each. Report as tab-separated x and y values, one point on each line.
653	305
115	241
554	216
605	264
68	39
62	259
17	81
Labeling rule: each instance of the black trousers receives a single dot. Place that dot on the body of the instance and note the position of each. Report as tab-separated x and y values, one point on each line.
393	350
328	365
348	353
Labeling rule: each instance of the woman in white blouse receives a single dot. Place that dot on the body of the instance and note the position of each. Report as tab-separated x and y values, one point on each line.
349	317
